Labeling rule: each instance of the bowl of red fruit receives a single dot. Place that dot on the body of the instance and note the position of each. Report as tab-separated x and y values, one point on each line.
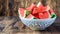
37	17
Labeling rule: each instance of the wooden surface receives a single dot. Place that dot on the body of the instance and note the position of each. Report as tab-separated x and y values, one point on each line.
13	25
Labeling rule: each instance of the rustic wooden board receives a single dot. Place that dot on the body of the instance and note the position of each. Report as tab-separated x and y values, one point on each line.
13	25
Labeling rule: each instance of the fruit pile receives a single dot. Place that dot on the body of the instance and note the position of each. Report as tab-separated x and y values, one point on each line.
36	12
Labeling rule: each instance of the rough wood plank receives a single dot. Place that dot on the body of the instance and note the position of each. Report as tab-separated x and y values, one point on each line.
20	28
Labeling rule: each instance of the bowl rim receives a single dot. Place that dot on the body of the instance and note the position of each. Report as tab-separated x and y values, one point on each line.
37	19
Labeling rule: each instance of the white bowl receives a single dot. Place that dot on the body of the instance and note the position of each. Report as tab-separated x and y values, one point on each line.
38	24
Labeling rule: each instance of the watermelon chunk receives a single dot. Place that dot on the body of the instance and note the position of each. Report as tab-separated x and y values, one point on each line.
43	15
36	16
31	7
30	16
47	9
41	7
21	12
35	10
51	11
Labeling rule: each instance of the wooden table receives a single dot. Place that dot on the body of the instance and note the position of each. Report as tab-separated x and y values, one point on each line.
13	25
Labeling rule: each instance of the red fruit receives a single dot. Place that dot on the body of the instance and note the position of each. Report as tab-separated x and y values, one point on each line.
30	16
43	15
46	15
35	10
21	12
51	11
42	9
36	16
31	7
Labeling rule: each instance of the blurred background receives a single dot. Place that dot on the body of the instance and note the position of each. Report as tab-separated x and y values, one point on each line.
10	7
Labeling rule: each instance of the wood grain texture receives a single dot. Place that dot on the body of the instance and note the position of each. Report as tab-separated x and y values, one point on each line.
13	25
